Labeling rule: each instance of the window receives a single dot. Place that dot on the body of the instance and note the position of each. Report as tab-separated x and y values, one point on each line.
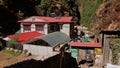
26	27
52	27
39	27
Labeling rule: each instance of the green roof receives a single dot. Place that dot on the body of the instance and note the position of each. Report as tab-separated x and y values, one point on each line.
18	32
54	38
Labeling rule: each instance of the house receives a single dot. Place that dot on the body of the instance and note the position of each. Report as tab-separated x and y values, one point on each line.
47	25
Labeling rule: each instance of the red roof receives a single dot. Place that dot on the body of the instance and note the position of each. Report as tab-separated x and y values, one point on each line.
85	44
43	19
25	36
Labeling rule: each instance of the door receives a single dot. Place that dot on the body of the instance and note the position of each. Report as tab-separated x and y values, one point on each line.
52	27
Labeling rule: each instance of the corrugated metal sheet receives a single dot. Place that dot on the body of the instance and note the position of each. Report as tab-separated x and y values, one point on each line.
22	37
85	44
44	19
53	38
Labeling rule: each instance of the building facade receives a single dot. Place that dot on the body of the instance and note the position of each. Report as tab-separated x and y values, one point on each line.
47	25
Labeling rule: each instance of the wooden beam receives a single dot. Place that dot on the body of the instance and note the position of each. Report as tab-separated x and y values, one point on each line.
106	50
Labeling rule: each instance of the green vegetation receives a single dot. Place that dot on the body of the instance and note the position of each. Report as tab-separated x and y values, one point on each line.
115	50
11	52
1	2
44	4
88	9
11	43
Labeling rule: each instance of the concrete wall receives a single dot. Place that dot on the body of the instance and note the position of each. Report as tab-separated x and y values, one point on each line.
38	50
52	62
66	29
56	61
112	66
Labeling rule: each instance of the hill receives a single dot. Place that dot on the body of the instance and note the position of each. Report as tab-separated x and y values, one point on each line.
108	15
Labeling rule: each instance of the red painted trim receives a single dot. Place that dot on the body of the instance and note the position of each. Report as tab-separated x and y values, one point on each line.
85	44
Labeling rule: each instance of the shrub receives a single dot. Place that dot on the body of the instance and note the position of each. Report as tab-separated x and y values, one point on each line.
11	52
115	47
11	43
18	46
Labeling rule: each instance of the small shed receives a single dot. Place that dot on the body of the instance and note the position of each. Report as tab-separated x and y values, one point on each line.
106	35
79	50
47	44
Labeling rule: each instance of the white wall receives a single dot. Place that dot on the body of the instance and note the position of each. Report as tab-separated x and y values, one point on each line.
38	50
46	29
112	66
66	29
21	26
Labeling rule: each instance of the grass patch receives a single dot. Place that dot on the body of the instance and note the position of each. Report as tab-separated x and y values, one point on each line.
11	52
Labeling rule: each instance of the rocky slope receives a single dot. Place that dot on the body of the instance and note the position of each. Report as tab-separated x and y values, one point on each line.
109	15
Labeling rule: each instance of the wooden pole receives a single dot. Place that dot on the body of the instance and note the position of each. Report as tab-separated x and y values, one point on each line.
106	50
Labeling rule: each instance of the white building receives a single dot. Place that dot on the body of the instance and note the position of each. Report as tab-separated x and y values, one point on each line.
47	25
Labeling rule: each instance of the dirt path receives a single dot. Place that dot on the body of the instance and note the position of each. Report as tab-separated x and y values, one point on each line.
5	56
8	59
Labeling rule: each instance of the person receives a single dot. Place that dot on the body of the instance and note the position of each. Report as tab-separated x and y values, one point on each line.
75	34
80	36
86	38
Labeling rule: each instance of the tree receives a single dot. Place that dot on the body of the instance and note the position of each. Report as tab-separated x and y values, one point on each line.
1	2
60	8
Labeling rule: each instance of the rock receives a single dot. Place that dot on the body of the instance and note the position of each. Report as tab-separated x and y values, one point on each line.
11	49
15	50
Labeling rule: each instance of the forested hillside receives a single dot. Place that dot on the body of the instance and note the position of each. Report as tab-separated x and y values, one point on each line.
88	9
85	12
13	10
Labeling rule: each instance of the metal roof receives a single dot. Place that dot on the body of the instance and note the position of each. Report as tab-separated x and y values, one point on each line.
85	44
44	19
54	38
22	37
